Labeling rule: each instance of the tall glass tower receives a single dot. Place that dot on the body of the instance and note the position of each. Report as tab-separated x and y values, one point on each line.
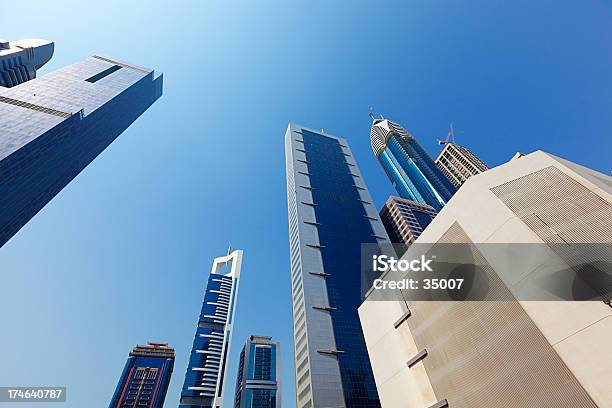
206	373
53	126
411	170
259	374
145	377
331	215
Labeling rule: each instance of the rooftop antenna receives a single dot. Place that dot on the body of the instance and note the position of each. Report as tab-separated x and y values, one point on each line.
229	248
450	136
371	113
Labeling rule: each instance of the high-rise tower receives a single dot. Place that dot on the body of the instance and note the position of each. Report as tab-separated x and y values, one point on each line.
145	378
330	216
259	374
411	170
206	373
53	126
458	163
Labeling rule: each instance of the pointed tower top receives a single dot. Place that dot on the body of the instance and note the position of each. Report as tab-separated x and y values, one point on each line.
382	129
371	114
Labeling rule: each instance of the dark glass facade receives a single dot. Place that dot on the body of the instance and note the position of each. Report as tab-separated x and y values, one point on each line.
145	377
423	218
343	227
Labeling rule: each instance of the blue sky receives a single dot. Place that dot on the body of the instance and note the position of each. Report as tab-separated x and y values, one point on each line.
121	255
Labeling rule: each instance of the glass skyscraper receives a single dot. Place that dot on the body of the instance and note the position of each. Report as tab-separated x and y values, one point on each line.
206	373
259	374
331	215
411	170
53	126
145	377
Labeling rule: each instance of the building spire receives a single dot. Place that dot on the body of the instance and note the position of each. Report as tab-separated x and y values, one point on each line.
450	136
371	114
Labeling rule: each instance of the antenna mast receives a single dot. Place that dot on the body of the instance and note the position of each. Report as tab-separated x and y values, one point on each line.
449	136
371	114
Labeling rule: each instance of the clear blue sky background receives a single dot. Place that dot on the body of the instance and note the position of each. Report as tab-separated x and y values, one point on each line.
121	255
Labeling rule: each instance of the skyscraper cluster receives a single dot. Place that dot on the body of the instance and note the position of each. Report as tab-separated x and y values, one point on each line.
331	215
52	128
435	353
348	351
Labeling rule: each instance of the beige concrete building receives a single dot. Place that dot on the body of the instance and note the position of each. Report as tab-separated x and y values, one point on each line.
513	354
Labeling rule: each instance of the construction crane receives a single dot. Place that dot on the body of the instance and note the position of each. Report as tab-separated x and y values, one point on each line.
450	136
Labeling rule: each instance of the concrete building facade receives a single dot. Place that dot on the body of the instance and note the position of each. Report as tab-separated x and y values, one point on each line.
459	163
514	354
405	220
